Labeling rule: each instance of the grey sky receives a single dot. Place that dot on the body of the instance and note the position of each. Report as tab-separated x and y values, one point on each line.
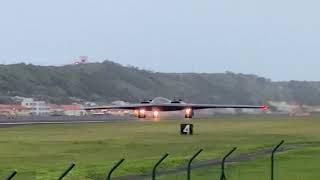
276	39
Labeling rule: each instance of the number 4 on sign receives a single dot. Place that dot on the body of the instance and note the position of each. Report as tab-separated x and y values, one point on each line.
186	129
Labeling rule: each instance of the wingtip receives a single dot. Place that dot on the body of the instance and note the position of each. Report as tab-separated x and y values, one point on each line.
264	107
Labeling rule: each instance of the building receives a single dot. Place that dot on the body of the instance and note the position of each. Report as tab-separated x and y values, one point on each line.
56	110
73	110
119	112
11	110
82	60
39	108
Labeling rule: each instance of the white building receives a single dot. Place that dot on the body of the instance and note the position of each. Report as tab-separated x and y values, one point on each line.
36	107
73	110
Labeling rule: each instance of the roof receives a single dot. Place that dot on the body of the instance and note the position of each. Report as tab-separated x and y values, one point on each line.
71	107
54	106
12	107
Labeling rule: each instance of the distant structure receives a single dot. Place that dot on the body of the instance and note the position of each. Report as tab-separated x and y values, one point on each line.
67	110
38	108
119	103
11	110
73	110
91	104
32	107
81	60
120	112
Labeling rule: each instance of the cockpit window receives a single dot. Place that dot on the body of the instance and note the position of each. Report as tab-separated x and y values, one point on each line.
160	100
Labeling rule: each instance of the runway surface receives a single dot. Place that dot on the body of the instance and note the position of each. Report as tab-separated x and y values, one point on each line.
9	122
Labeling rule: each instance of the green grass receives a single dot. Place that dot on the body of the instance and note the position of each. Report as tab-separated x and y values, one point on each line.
293	165
45	151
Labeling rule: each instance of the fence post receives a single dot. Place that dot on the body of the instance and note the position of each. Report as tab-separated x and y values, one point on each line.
272	158
223	175
12	175
158	163
190	161
67	171
114	168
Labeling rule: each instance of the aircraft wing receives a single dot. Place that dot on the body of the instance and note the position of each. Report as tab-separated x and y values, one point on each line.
175	107
127	107
216	106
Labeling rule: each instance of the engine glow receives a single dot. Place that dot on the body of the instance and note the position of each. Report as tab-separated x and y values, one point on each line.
156	114
188	111
142	111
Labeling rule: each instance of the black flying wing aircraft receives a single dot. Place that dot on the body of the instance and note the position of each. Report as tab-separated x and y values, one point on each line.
163	104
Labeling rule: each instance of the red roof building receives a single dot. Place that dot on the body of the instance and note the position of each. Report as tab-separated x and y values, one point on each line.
14	107
71	107
13	110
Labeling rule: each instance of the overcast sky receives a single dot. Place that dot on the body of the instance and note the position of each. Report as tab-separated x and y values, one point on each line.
276	39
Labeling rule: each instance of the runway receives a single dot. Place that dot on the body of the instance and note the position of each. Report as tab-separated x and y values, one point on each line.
27	120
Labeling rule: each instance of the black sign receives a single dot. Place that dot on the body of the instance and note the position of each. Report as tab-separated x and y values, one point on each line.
186	129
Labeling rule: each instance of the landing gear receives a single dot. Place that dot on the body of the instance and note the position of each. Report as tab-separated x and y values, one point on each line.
189	113
142	113
156	115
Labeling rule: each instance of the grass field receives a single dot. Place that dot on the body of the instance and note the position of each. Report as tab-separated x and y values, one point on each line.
293	165
45	151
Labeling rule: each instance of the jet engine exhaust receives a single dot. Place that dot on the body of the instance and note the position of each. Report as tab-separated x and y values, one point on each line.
142	113
189	113
156	114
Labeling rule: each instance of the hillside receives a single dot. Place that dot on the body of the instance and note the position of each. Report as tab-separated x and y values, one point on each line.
108	81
